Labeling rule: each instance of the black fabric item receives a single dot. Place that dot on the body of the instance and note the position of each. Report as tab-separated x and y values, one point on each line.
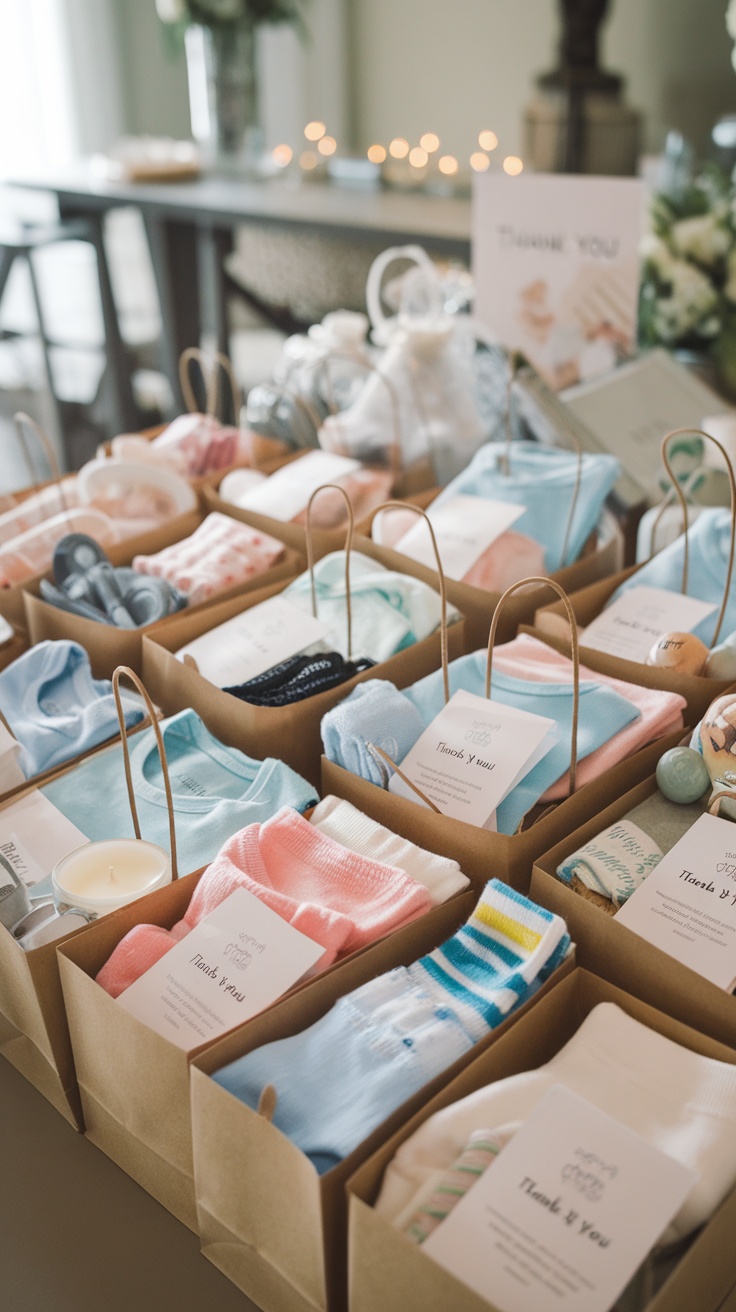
298	678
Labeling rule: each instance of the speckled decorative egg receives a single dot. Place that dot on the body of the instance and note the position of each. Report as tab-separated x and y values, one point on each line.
681	652
721	662
718	737
682	775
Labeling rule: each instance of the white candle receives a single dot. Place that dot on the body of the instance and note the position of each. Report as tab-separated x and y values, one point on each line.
100	877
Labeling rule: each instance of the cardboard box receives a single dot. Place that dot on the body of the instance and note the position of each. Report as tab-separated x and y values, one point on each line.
550	622
134	1084
109	646
598	561
480	853
267	1220
617	953
388	1273
291	733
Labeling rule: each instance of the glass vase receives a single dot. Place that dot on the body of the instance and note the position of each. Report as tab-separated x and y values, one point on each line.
223	95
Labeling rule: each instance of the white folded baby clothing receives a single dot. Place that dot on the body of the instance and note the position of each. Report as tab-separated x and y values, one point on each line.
678	1101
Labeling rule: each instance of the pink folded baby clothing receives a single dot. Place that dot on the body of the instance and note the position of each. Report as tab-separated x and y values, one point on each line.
198	444
332	895
509	558
366	488
660	712
220	554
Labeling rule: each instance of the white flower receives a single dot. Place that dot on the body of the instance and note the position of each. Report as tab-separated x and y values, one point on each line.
731	19
656	252
171	11
691	301
703	238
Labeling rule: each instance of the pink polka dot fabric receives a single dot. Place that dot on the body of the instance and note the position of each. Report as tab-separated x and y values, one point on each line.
220	555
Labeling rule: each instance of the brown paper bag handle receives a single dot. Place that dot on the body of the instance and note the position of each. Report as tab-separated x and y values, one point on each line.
714	802
378	751
22	422
210	371
699	432
575	653
138	684
348	548
422	514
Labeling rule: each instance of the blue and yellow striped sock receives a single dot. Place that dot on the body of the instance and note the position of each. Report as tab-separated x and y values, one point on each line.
507	948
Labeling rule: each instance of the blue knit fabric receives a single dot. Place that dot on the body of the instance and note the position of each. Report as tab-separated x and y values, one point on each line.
377	713
389	1037
709	543
543	480
54	707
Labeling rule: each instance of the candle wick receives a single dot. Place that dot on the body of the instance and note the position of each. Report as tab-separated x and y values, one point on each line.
111	873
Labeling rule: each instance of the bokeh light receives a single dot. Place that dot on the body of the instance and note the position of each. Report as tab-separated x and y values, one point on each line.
447	164
282	155
430	142
399	148
487	140
376	154
513	165
308	160
314	130
327	146
418	157
479	162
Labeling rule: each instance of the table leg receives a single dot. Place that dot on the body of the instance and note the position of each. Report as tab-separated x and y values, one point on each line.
173	246
125	414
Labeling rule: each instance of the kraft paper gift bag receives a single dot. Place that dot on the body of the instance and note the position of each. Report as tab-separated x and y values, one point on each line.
589	602
601	557
288	732
34	1035
508	856
110	646
407	486
15	646
388	1273
267	1220
614	951
133	1082
252	449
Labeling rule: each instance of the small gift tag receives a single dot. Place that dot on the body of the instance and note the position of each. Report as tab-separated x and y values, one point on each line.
237	961
631	625
254	641
687	905
565	1214
286	493
34	835
464	527
472	755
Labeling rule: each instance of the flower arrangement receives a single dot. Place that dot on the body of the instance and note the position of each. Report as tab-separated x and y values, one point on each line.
229	13
688	289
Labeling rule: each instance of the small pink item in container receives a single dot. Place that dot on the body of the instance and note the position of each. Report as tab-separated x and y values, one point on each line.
220	555
31	553
199	444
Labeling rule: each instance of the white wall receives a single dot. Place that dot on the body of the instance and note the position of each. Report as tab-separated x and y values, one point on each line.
420	65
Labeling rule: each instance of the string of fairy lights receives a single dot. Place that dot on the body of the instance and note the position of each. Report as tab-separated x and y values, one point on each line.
417	161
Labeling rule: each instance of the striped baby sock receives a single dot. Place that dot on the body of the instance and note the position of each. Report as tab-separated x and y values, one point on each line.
481	1149
381	1043
499	957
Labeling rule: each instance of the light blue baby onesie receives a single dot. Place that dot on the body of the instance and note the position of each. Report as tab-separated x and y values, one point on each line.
217	791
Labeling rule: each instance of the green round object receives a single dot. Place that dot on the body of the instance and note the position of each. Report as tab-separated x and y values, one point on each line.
682	775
